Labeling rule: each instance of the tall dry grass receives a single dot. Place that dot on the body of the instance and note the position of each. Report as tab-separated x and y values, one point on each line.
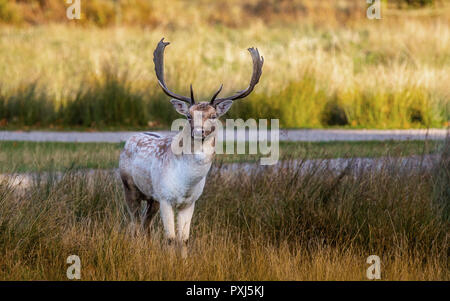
267	224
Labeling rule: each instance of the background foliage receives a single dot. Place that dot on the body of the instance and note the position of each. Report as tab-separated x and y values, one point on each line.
326	64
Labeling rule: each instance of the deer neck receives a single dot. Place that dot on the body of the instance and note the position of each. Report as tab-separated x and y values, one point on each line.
199	151
189	169
202	151
195	160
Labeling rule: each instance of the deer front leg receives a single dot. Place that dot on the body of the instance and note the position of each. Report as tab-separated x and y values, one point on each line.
184	218
168	220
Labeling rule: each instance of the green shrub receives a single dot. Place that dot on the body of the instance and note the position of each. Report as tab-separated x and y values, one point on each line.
28	106
419	3
101	13
334	113
401	109
108	101
298	105
9	13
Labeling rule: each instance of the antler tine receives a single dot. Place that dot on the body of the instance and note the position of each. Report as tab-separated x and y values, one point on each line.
192	95
216	94
158	60
258	62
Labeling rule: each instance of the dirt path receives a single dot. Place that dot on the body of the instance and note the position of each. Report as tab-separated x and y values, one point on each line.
25	180
285	135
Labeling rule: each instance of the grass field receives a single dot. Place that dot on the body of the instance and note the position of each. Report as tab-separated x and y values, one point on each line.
19	156
326	66
268	225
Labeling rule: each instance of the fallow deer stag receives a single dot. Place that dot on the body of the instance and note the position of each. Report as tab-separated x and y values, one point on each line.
170	182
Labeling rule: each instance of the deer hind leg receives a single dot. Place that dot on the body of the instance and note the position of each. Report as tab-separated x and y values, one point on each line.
150	212
133	197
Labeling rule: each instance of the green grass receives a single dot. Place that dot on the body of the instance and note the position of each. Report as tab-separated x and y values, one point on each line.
60	156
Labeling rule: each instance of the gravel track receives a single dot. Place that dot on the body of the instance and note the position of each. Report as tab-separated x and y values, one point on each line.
354	165
285	135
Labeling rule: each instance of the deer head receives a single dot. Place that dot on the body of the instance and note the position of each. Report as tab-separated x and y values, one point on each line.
200	114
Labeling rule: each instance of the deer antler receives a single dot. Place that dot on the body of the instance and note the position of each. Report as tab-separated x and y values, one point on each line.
158	59
258	62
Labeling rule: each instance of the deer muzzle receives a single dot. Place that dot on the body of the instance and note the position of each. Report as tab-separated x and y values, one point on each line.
198	133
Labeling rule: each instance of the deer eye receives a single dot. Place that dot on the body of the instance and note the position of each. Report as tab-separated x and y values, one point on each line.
214	116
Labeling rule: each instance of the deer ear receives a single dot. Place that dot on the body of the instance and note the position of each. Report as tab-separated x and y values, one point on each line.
223	107
180	106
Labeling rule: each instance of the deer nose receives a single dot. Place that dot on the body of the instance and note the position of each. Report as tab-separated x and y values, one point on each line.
198	132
